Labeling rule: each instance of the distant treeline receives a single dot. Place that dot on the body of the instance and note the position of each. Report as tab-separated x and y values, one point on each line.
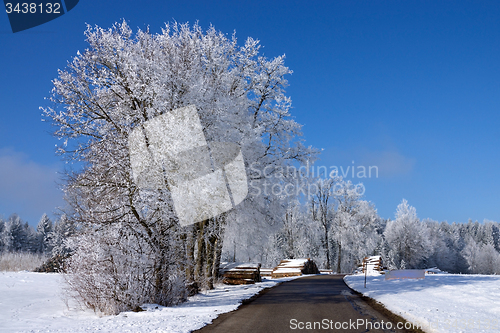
337	231
48	238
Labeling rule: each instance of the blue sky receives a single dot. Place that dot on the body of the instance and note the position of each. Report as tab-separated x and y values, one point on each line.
412	87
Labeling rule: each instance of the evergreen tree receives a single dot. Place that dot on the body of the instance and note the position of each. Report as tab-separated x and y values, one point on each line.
63	230
15	235
44	230
2	227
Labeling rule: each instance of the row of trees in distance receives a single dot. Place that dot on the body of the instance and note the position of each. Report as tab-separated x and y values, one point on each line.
47	238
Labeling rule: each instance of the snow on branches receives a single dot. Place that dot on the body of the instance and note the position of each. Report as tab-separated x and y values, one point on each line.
120	82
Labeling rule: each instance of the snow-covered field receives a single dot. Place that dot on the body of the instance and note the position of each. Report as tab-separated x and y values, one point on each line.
34	302
440	302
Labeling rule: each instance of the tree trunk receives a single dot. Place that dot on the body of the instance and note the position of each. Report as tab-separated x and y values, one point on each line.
209	262
160	276
190	259
200	256
327	249
217	258
339	261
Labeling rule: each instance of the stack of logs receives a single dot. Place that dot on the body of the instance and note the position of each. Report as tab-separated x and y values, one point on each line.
373	263
249	273
295	267
267	272
240	273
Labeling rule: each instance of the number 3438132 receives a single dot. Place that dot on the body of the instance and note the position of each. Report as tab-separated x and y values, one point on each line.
33	8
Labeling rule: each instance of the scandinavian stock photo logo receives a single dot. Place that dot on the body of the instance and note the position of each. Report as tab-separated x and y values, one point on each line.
205	178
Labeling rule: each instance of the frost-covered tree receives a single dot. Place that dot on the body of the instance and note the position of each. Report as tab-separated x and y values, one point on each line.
322	207
448	243
408	238
482	258
15	234
345	228
124	80
2	227
492	228
345	218
64	228
117	270
441	239
355	233
33	239
254	230
44	230
298	237
354	225
455	241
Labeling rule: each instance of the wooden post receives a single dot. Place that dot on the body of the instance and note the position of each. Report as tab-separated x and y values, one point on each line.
366	269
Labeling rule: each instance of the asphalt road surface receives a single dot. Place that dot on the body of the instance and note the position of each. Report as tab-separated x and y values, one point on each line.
319	303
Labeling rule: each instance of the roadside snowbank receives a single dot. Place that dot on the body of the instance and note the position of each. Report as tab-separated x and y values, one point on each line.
440	302
34	302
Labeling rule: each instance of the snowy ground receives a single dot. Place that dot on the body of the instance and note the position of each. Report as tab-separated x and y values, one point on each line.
440	302
34	302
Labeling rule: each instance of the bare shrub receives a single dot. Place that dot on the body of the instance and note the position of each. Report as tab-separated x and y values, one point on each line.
113	271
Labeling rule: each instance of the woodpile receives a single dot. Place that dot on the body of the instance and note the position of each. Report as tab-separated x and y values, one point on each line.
240	273
373	263
294	267
268	272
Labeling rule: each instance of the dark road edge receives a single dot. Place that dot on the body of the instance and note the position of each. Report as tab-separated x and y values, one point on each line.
244	302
